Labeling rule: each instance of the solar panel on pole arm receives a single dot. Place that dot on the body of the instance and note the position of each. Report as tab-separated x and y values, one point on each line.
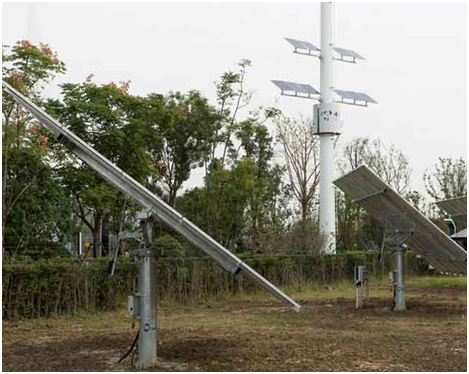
130	187
347	55
456	208
381	202
355	97
297	89
300	45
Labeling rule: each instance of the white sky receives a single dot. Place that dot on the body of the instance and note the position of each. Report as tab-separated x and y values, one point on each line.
416	54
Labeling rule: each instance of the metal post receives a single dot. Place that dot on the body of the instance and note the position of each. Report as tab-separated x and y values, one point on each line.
399	289
326	143
80	243
147	295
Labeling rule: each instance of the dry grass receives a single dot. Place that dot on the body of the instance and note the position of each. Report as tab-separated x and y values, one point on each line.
256	333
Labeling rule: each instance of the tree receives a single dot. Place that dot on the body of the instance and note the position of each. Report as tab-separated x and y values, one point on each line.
231	97
239	185
120	127
301	149
448	179
39	223
30	200
185	142
389	163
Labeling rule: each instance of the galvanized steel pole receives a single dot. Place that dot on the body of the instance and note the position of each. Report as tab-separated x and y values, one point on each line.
399	290
326	156
147	296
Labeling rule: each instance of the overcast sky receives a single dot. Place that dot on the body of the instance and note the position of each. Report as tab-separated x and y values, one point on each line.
415	68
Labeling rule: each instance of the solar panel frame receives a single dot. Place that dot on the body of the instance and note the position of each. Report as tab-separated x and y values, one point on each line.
283	85
296	87
301	44
348	53
356	96
381	202
311	46
460	234
456	208
307	88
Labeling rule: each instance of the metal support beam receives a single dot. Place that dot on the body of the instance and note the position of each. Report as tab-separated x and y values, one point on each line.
399	289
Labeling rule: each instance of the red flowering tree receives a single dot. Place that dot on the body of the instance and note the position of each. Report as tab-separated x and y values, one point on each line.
29	192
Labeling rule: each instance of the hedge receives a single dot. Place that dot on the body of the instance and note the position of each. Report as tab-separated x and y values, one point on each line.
45	288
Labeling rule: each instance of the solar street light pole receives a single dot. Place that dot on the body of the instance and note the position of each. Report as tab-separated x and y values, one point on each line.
327	120
326	143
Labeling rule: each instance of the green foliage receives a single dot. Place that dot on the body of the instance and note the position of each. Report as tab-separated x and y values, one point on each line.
169	246
45	288
185	144
27	67
122	128
36	212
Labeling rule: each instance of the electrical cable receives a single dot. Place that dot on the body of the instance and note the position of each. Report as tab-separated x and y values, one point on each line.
130	350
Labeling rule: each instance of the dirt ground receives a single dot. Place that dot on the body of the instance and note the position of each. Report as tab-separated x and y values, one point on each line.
258	334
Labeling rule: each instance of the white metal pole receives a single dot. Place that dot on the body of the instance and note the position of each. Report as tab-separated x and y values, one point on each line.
326	144
80	243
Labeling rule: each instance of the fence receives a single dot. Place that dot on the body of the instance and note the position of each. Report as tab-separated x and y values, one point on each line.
42	289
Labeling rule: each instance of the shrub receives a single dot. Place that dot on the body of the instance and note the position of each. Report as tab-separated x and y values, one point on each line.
45	288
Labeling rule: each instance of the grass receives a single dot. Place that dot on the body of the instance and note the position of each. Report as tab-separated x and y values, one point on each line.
329	334
379	287
460	282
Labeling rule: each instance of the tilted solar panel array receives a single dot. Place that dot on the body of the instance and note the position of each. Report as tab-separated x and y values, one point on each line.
383	203
456	208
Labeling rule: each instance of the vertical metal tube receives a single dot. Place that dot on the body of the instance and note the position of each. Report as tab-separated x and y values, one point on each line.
399	292
80	244
326	144
147	341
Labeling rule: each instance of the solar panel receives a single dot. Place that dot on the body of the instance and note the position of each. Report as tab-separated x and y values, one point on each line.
300	44
456	208
460	234
284	86
306	88
355	96
383	203
296	87
311	46
348	53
